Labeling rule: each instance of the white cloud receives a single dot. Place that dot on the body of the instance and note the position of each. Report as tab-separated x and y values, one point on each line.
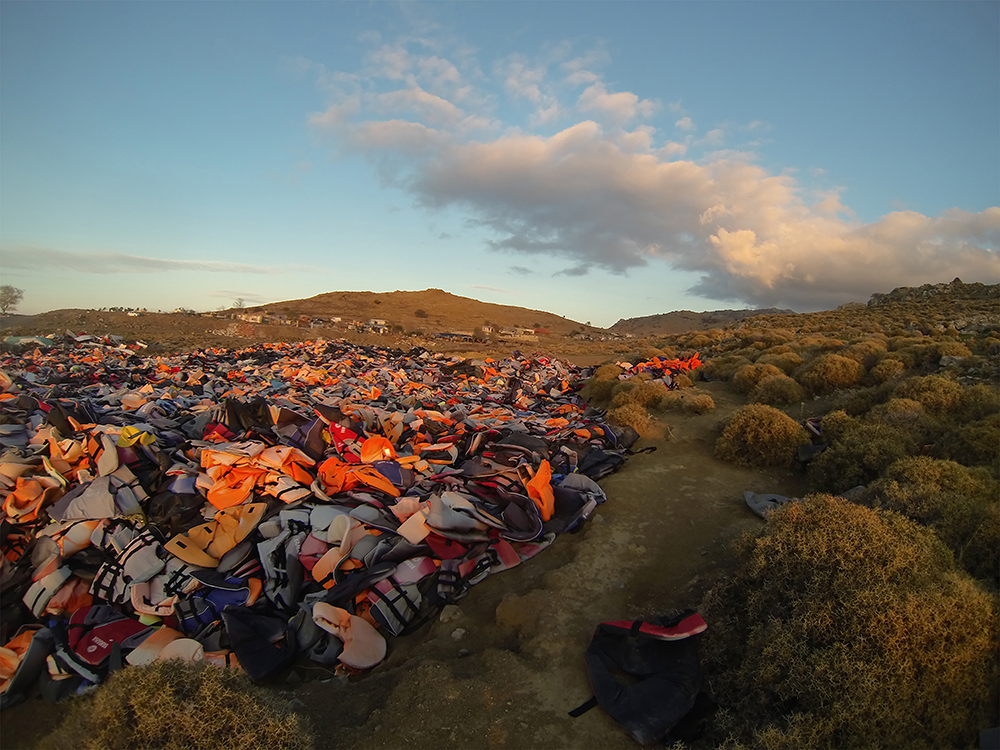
427	106
98	262
716	137
602	196
619	108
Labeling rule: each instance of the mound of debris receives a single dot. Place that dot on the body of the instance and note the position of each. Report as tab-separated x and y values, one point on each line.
278	502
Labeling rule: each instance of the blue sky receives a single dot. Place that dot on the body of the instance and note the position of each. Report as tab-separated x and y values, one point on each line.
598	160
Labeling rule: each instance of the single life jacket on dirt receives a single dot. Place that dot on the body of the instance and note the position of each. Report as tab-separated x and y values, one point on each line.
660	660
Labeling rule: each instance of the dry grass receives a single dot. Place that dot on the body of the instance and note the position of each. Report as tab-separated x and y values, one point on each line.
176	706
849	627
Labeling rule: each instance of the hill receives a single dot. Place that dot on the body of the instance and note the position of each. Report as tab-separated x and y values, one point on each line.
430	311
683	321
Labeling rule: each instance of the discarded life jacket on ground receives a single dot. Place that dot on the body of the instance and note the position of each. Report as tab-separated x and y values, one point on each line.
662	660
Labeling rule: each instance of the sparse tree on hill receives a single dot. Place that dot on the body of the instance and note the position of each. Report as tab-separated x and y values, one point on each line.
10	297
239	303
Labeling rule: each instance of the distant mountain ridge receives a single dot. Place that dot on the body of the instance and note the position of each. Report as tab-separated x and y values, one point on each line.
683	321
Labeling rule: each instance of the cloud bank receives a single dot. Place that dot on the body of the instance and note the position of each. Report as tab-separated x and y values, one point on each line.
547	155
32	258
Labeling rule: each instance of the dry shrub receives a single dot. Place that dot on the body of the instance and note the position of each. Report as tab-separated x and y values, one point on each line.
896	343
645	394
888	368
646	353
723	368
977	402
634	416
850	627
699	341
784	361
857	401
937	393
973	443
598	388
866	352
860	455
177	706
748	376
682	381
759	435
962	505
692	403
829	372
952	349
897	412
836	424
778	390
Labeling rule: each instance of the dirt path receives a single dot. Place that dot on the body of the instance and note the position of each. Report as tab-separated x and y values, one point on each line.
505	667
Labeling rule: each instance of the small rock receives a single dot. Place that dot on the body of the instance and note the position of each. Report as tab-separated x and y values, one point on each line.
462	653
450	613
294	678
296	705
458	634
597	519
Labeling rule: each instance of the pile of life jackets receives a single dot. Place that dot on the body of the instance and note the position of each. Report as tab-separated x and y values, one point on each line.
660	369
249	508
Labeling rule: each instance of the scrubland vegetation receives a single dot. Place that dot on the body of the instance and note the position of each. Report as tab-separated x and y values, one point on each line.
870	622
177	706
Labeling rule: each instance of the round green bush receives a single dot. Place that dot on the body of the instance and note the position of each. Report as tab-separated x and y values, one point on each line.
759	435
748	376
778	390
177	706
849	627
829	372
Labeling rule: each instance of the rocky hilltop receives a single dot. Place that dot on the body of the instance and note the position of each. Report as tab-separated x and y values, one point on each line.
955	290
683	321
